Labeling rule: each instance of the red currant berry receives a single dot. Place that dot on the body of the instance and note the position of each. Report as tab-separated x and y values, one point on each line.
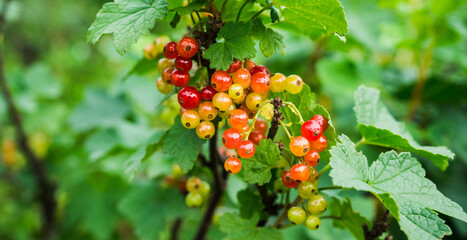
193	184
278	82
167	75
253	101
256	136
261	125
246	149
233	67
207	93
187	47
299	172
293	84
179	78
320	145
258	69
233	165
182	63
182	111
249	65
190	119
222	101
251	113
207	111
288	181
238	119
163	64
170	50
260	82
242	77
205	130
311	130
322	121
221	81
164	87
231	138
299	146
189	97
311	158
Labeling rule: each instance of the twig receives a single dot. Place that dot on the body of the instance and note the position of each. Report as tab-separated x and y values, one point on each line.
331	217
378	228
275	120
262	10
46	188
241	9
329	188
175	230
223	6
283	216
360	143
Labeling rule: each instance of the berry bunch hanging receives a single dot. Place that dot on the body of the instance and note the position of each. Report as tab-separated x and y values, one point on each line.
198	192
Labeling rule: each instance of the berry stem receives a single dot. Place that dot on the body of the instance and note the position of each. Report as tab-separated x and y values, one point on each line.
223	6
360	143
260	11
241	9
295	110
325	169
331	217
283	216
285	129
329	188
263	104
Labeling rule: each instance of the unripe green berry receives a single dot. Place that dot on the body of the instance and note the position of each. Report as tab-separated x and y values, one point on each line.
313	222
296	215
280	187
193	199
307	190
204	189
317	205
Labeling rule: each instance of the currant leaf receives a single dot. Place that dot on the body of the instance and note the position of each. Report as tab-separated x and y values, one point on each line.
258	168
316	17
127	20
238	228
188	9
398	180
177	136
349	219
378	127
235	45
269	40
250	203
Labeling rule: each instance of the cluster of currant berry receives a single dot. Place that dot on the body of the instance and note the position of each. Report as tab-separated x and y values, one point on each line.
316	206
198	192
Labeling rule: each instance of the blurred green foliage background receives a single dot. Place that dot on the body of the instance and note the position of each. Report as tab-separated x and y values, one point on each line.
87	122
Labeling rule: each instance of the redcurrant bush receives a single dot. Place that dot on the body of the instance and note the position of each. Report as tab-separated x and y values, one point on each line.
233	67
163	86
277	83
261	125
260	69
193	184
193	199
236	92
253	101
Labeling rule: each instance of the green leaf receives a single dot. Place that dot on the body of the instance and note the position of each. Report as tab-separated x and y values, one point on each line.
188	9
239	228
127	20
99	144
183	144
306	104
149	206
235	45
398	180
250	203
378	127
349	219
269	40
257	169
317	17
143	66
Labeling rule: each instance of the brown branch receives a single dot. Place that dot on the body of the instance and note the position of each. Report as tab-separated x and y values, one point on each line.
175	230
283	216
378	228
46	189
275	120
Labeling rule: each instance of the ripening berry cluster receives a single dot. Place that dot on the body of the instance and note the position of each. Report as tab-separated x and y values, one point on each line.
198	192
315	206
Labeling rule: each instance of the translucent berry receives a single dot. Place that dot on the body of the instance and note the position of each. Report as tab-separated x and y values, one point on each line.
207	111
253	101
320	145
260	82
314	175
261	125
260	69
207	93
236	91
299	172
226	114
190	119
249	65
170	50
293	84
299	146
193	199
233	67
193	184
179	78
163	64
205	130
183	64
268	111
311	130
311	158
167	75
317	205
204	189
251	113
187	47
221	81
256	136
239	100
242	77
233	165
307	189
222	101
183	111
150	51
322	121
189	97
231	138
277	83
163	86
296	215
246	149
238	119
279	186
312	222
287	180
